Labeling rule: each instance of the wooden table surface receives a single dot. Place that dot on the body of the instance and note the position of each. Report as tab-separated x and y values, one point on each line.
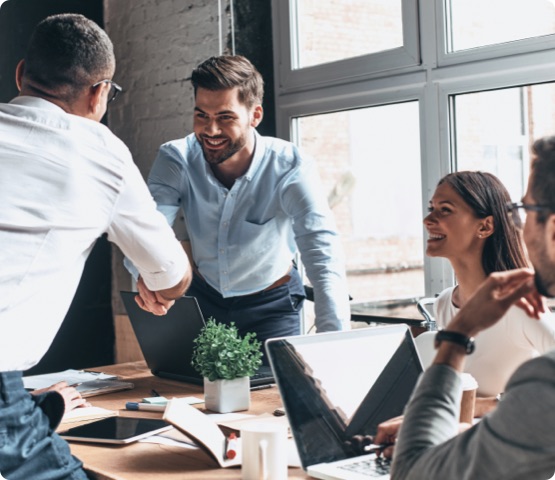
148	461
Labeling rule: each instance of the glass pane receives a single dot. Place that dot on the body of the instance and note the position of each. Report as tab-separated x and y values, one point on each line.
476	23
331	30
494	131
369	161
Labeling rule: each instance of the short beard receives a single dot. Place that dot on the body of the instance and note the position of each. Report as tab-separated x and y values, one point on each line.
220	157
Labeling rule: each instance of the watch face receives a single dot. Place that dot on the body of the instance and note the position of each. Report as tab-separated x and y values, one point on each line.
470	346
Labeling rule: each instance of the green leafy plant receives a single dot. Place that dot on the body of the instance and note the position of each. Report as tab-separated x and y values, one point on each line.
220	353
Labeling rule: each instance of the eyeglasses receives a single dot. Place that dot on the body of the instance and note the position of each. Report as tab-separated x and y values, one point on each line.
518	220
115	89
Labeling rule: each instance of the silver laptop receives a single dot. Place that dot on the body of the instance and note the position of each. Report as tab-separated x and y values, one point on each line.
167	342
340	384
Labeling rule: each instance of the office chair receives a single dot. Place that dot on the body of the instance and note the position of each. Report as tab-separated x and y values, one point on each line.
417	326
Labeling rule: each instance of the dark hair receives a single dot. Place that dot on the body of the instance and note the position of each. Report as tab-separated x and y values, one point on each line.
230	71
67	53
542	180
486	195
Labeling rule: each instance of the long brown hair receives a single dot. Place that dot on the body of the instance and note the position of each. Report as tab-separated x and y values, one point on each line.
486	195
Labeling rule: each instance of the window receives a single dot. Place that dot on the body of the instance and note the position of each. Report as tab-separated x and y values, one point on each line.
380	229
466	86
494	130
357	27
475	23
330	41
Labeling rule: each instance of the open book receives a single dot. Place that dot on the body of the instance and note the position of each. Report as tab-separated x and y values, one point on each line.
84	414
201	428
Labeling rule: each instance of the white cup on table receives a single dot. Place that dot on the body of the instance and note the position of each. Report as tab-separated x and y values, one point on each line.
264	451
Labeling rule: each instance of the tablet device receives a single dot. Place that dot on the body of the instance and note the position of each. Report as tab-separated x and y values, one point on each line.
116	430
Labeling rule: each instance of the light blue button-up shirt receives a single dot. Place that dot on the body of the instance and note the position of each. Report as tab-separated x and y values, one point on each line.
244	238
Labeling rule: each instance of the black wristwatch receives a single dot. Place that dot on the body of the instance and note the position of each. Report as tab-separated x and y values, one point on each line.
455	337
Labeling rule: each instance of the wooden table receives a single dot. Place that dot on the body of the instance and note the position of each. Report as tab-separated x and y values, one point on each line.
149	461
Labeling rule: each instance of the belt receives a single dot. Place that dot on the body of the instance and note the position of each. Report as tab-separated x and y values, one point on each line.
278	283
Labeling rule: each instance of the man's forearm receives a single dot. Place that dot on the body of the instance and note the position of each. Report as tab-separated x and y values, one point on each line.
451	354
430	419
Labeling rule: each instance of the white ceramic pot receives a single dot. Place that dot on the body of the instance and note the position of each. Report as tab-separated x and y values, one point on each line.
225	396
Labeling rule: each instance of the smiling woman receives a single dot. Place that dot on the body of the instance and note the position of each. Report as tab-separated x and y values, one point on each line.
468	224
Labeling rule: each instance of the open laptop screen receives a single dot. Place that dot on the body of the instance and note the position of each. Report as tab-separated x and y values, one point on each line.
339	384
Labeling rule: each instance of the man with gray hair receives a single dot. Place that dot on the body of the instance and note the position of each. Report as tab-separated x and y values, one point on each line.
65	180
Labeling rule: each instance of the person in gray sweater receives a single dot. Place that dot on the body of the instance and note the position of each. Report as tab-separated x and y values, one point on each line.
517	440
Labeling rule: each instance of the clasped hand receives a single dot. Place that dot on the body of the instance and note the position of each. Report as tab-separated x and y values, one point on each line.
151	301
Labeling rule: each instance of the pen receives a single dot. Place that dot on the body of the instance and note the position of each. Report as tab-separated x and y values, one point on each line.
231	446
145	406
261	387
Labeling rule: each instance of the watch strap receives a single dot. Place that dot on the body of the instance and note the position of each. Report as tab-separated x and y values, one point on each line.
455	337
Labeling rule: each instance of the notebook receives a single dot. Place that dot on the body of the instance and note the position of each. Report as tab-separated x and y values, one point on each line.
340	384
167	342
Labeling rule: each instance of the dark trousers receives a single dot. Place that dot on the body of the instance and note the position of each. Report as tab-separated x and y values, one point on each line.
29	447
269	314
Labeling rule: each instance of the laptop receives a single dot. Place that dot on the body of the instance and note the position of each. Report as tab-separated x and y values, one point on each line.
167	342
340	384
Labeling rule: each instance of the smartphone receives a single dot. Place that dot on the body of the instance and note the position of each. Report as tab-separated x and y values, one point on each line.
116	430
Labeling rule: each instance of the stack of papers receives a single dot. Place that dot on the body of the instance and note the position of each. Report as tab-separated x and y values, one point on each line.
86	383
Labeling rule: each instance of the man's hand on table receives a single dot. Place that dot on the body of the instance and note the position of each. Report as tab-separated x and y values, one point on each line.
72	398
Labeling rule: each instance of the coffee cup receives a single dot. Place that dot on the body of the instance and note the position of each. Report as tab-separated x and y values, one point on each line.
264	451
468	399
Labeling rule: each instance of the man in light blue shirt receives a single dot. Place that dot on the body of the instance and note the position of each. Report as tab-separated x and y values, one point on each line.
249	203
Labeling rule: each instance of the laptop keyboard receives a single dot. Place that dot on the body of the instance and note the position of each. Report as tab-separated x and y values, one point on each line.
369	467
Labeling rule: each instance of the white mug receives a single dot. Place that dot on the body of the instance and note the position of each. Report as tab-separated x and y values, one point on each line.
264	451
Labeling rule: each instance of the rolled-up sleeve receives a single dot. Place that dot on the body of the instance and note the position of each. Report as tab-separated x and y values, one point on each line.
320	247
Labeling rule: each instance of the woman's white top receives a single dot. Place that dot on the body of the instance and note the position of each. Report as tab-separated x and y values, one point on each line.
503	347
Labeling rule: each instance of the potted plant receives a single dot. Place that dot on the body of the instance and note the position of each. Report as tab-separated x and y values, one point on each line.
226	361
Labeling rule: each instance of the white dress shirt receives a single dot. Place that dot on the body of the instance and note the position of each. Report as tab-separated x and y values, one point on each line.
64	181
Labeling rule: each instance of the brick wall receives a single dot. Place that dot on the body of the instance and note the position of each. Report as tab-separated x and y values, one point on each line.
157	45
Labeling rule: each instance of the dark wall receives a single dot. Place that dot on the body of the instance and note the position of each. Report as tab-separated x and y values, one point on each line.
253	39
17	21
86	337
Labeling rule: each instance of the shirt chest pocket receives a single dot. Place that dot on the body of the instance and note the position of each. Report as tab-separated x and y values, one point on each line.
256	238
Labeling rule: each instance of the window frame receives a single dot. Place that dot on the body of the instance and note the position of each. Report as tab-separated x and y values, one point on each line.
433	79
486	52
290	79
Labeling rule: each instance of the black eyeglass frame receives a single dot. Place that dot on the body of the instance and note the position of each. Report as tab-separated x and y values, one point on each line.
114	85
514	207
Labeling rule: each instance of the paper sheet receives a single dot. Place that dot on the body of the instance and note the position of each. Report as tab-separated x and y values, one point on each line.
70	376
